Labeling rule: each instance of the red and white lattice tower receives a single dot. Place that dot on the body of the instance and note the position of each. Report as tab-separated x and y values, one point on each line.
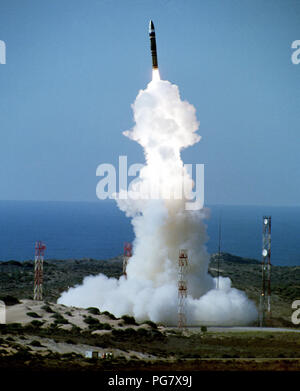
126	256
38	270
182	287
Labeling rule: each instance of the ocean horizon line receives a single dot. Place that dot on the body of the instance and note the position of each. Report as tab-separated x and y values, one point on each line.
113	200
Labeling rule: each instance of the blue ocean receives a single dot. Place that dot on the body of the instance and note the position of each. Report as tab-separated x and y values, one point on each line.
98	230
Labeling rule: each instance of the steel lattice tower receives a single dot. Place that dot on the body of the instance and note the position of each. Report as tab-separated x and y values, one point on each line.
266	270
126	256
38	270
219	255
182	287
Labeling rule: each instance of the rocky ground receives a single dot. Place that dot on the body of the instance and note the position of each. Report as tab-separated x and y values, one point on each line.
41	328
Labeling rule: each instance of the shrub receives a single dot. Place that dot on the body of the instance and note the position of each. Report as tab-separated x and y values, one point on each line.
151	324
203	329
124	334
22	355
28	264
75	329
48	309
59	319
105	326
70	341
194	355
129	319
71	355
53	355
36	323
33	315
130	332
9	300
93	310
36	343
13	327
12	262
142	332
111	316
117	332
53	326
91	321
100	326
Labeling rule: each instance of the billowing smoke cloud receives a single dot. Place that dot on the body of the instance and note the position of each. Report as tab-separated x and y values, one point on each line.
164	125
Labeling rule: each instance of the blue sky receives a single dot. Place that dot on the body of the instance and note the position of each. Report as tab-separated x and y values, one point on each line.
74	68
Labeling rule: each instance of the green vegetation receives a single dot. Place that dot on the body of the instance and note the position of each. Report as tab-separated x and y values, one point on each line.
48	309
105	326
129	319
36	323
36	343
226	345
183	348
71	341
33	315
95	324
111	316
9	300
91	321
94	311
151	324
75	330
16	278
59	319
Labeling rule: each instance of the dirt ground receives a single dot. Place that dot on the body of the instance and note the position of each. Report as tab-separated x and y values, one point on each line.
45	336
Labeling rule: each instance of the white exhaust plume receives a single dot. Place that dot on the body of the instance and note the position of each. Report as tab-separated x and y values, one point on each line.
164	125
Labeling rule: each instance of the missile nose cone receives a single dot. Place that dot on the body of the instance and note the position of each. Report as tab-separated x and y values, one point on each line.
151	26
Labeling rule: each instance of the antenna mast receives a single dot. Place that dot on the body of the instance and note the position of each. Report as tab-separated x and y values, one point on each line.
266	270
38	270
219	253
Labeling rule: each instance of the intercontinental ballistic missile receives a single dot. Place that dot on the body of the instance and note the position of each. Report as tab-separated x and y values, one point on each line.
153	45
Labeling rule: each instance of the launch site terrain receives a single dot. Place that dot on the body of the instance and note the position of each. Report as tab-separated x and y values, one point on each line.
44	335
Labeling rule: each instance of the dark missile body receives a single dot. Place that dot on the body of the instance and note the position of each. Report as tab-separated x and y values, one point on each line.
153	45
